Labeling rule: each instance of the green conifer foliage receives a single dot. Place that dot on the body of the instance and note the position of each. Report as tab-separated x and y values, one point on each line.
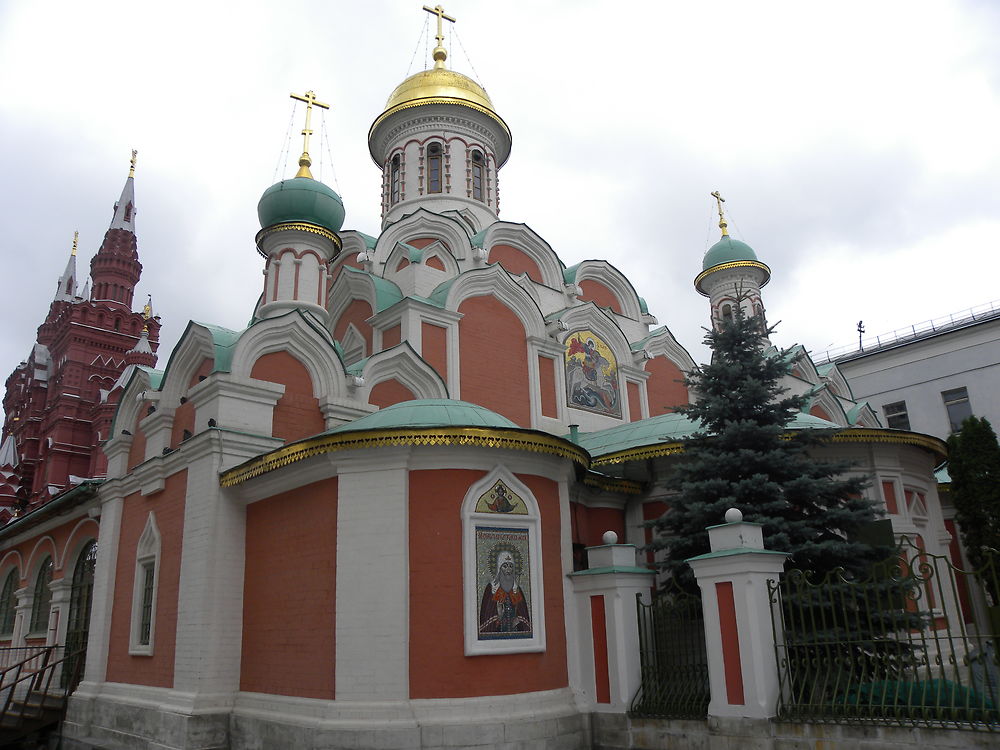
974	467
743	456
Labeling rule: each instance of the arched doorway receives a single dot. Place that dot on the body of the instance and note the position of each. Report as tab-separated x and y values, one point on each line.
80	598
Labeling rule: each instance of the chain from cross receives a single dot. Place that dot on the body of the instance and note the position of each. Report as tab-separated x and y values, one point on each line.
310	99
438	11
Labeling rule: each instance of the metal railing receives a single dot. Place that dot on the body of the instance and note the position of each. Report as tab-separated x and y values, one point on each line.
910	333
902	647
34	688
673	659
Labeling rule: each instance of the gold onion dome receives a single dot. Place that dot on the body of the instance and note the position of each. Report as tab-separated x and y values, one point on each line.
440	86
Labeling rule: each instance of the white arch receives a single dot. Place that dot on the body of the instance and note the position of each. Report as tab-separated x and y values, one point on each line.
197	343
402	250
589	315
824	399
494	281
74	545
34	563
300	335
423	223
403	364
662	342
6	565
353	284
129	404
524	238
833	377
606	274
353	341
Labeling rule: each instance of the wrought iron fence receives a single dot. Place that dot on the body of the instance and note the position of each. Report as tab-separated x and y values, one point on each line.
673	660
915	644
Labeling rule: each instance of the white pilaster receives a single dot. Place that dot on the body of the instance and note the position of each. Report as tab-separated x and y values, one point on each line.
372	628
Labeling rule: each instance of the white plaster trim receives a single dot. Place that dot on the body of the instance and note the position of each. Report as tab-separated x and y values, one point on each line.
471	585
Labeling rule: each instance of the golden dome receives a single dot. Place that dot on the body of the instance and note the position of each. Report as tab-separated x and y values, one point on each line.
440	86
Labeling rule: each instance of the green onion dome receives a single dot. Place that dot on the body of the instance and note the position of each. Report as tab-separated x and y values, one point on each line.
301	199
727	250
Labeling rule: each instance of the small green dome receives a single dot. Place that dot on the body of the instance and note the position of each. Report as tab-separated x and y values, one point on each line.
301	199
727	250
428	412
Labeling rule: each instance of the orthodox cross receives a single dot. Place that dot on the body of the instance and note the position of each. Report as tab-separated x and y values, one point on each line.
861	330
438	11
76	237
304	161
719	200
131	171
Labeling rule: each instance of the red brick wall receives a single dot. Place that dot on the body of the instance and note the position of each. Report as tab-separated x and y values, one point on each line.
819	411
137	450
183	420
390	337
589	524
435	348
289	593
634	401
600	295
357	312
665	387
547	385
156	670
297	414
439	667
389	392
434	262
494	359
515	261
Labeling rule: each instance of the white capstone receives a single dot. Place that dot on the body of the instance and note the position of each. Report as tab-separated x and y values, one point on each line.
610	537
734	515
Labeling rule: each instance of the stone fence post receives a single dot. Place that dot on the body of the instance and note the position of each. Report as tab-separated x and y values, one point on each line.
738	634
608	623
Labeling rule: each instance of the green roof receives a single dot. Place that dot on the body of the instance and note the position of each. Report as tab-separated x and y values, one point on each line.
942	476
301	199
641	343
727	250
387	293
666	428
428	412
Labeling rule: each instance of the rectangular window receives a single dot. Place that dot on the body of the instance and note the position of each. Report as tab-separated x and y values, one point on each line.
394	180
896	416
477	181
434	174
956	401
146	615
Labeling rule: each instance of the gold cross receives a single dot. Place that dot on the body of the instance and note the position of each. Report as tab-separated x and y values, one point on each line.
76	236
304	161
719	200
440	53
131	171
438	11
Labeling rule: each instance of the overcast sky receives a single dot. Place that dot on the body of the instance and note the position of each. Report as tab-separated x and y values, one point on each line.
857	144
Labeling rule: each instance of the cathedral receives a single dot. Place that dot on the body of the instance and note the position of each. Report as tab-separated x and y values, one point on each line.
371	517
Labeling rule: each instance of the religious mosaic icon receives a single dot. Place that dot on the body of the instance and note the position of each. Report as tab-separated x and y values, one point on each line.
501	499
502	569
592	374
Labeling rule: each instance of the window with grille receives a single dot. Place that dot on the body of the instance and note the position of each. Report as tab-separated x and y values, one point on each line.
42	601
8	603
143	631
477	175
896	416
434	168
956	401
394	169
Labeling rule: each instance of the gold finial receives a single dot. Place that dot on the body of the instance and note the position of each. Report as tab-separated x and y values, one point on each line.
304	161
719	200
440	53
76	238
131	171
147	310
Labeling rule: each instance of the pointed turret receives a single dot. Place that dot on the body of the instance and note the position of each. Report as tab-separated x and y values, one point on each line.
142	352
66	286
115	269
10	483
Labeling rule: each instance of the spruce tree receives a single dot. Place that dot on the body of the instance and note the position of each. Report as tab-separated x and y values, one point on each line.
974	467
744	456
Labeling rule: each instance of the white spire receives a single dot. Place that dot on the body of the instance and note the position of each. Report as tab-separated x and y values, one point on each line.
142	345
124	217
85	294
66	286
8	452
